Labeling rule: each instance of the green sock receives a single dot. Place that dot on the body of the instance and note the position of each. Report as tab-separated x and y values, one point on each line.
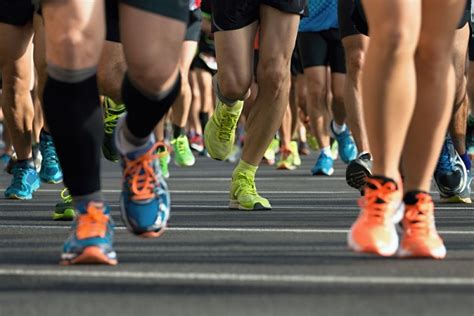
245	168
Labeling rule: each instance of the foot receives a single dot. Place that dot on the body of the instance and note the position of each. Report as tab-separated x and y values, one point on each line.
24	183
346	146
145	200
420	238
197	143
112	112
64	211
50	168
91	239
183	156
243	194
358	170
303	149
270	154
286	161
381	209
295	152
219	133
164	159
324	165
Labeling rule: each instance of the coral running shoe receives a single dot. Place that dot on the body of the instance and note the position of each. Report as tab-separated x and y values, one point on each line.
381	209
420	238
91	239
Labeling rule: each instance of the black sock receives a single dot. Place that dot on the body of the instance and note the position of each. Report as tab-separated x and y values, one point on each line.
203	118
178	131
382	179
411	198
74	117
144	112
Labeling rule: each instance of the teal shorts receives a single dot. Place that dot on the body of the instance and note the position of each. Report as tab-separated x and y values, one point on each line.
175	9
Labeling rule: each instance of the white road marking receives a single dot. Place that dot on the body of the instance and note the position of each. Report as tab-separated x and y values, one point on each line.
238	277
236	229
213	192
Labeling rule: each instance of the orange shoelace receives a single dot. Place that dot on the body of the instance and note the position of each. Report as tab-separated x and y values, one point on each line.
374	202
418	216
140	175
93	223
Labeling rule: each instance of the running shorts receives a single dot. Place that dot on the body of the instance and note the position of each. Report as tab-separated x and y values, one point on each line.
16	12
345	10
322	49
235	14
193	31
296	64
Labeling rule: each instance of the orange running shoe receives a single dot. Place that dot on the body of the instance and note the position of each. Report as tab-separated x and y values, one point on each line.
420	238
381	209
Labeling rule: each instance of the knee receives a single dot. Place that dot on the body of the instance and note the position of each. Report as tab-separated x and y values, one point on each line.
317	92
77	48
235	85
354	63
152	77
274	75
395	39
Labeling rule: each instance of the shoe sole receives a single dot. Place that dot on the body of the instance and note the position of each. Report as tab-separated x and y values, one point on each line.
235	205
321	173
356	176
387	251
438	253
456	199
66	216
286	167
90	255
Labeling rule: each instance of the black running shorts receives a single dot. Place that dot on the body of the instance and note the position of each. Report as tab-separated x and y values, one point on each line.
175	9
322	49
345	10
16	12
296	64
193	31
471	43
235	14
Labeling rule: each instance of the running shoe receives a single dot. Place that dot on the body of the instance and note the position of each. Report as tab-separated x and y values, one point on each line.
303	149
10	162
470	137
243	194
358	170
346	145
312	142
183	156
234	154
270	154
37	158
296	153
145	200
50	168
91	238
334	149
164	159
112	112
197	143
323	166
381	209
451	176
286	161
219	133
5	159
64	211
420	238
24	183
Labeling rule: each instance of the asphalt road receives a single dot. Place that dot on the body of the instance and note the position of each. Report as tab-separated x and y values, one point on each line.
289	261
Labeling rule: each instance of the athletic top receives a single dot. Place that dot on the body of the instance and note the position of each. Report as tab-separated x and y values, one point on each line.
194	4
322	15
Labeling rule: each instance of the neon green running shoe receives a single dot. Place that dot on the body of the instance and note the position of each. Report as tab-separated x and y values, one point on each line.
219	134
112	113
312	142
335	150
183	156
286	161
295	152
164	160
243	194
64	211
270	153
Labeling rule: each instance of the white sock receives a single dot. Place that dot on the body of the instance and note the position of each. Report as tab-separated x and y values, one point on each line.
326	150
338	129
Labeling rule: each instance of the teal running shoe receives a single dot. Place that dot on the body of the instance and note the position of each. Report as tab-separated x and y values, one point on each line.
64	211
324	165
112	113
50	168
91	239
25	181
346	144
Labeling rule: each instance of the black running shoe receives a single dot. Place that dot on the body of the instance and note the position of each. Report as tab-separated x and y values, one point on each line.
358	170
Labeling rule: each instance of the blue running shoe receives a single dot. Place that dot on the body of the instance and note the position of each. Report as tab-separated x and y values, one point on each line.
145	200
347	146
324	165
451	176
50	168
25	181
91	239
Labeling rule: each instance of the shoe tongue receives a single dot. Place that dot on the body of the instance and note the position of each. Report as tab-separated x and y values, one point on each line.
365	156
84	206
27	163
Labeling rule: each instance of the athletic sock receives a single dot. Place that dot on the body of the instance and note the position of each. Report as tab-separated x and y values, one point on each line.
145	111
245	167
410	197
326	150
338	129
178	131
467	161
74	116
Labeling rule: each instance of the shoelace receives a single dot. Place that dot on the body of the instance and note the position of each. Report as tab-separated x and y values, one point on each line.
246	184
182	145
65	196
48	151
111	116
93	223
140	175
19	173
374	202
228	123
418	216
